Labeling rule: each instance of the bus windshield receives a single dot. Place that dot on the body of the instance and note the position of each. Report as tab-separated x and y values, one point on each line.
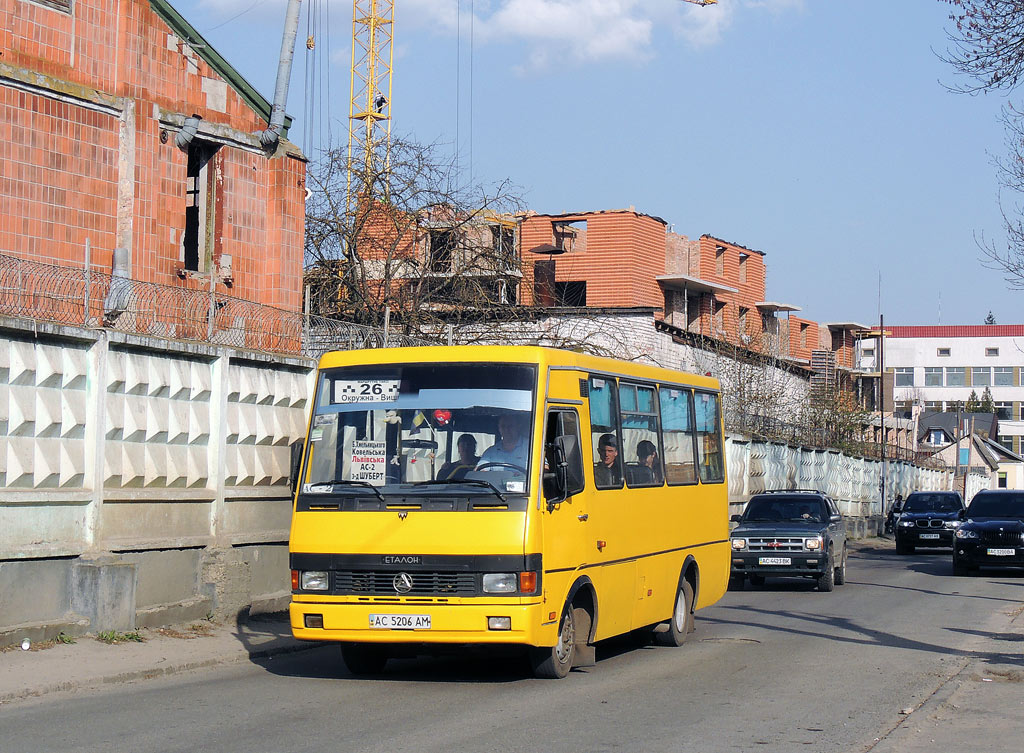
426	424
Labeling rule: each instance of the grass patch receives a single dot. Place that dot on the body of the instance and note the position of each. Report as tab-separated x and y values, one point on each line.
111	637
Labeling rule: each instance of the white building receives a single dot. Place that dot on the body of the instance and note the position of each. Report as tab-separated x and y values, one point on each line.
936	368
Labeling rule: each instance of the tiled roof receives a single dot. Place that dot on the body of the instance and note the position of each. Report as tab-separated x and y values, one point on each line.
959	330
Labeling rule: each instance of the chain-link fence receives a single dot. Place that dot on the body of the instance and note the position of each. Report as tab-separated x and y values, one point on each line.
88	298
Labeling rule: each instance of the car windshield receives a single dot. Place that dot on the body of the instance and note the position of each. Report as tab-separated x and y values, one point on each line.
931	503
996	506
375	427
785	508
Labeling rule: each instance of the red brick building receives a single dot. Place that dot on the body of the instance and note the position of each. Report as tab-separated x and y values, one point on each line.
121	127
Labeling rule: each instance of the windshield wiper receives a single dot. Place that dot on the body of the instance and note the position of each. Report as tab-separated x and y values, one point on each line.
470	481
348	482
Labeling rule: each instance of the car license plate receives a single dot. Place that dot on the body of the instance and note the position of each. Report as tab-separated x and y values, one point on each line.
1002	552
774	561
400	621
929	535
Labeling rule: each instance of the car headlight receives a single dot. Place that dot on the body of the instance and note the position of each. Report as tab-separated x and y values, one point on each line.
500	583
813	544
966	533
739	544
906	523
314	580
952	524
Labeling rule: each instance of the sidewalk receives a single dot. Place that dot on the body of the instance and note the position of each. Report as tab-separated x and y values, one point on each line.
163	651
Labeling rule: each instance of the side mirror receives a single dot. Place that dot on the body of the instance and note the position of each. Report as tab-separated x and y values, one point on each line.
296	463
961	514
556	479
736	518
836	518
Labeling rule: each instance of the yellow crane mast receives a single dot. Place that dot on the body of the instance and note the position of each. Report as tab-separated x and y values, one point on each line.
369	111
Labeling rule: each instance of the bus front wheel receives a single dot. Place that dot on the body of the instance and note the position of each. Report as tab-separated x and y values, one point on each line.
681	621
555	662
364	659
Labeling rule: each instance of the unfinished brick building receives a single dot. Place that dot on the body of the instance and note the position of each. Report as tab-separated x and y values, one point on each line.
122	128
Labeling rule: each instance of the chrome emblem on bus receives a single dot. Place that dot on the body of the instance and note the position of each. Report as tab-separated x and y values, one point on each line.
402	583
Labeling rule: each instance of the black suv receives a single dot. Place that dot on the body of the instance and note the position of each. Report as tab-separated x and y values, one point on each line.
789	533
992	532
927	519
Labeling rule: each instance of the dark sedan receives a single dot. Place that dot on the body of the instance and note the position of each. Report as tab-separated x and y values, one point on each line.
992	532
928	519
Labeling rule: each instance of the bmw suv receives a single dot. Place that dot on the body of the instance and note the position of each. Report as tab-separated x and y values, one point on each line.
992	532
927	519
789	533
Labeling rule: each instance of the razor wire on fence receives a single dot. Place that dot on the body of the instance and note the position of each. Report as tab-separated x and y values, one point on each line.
87	298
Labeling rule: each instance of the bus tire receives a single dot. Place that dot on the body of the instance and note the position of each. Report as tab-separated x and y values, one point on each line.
681	621
364	659
555	662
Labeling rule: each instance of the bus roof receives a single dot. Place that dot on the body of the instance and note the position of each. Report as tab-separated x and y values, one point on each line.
551	357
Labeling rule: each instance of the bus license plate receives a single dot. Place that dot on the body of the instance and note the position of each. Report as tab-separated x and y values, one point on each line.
1002	552
929	535
400	621
774	561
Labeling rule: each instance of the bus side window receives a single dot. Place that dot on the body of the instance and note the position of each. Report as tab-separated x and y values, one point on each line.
677	435
709	438
562	444
604	434
640	435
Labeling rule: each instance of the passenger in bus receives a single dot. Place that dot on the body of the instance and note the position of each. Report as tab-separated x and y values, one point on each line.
607	471
650	468
511	447
467	460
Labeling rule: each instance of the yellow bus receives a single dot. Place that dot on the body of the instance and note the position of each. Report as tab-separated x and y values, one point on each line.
490	495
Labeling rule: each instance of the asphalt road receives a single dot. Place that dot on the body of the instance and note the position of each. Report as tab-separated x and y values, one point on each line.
778	668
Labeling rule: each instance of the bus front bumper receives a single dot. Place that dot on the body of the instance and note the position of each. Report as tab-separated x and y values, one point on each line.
490	624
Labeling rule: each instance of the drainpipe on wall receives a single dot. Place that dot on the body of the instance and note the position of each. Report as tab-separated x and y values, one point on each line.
272	134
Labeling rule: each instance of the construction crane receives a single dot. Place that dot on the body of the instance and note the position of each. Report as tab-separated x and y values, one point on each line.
369	109
369	112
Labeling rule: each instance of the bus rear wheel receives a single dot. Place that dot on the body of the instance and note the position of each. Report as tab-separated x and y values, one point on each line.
555	662
681	622
364	659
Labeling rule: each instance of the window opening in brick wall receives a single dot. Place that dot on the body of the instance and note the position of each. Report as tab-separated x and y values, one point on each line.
572	293
200	202
503	245
718	320
743	267
720	260
442	249
803	335
570	236
64	6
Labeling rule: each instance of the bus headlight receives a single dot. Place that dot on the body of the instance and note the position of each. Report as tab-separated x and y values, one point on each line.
314	580
813	544
500	583
739	544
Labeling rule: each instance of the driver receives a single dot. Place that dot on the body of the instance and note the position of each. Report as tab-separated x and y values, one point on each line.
510	448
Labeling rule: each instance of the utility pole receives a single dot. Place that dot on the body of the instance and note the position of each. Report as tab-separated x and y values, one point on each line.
881	407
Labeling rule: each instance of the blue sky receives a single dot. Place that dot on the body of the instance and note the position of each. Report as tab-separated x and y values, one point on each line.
817	131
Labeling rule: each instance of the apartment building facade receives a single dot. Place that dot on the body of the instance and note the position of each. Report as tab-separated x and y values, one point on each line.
126	136
936	368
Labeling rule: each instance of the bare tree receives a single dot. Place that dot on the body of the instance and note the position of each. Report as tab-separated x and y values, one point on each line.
414	241
987	51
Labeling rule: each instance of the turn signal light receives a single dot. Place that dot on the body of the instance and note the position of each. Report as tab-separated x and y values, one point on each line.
528	582
295	580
